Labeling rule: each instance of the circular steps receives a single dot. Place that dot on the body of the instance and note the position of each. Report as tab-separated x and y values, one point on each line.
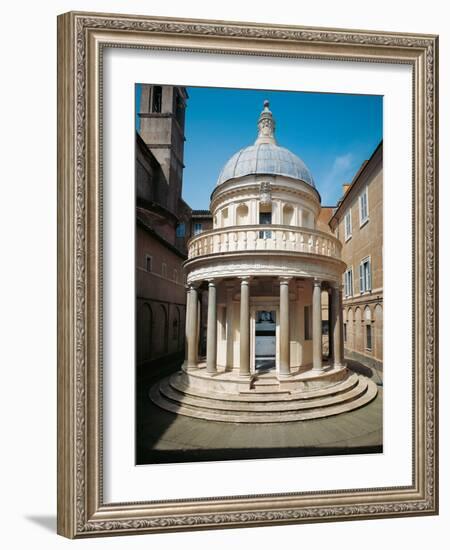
262	403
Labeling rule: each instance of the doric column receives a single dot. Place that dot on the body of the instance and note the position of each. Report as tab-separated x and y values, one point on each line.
186	325
211	332
340	357
285	355
330	326
192	328
229	323
337	325
317	325
244	346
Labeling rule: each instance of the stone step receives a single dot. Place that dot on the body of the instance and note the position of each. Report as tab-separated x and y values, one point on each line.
263	417
260	396
264	391
245	406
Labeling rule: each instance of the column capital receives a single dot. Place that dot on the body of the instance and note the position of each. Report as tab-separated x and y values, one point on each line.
244	279
284	280
192	286
212	282
317	282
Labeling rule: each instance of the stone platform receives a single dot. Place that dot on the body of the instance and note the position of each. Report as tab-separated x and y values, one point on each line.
262	398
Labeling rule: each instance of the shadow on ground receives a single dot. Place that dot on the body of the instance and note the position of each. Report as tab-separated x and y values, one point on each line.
164	437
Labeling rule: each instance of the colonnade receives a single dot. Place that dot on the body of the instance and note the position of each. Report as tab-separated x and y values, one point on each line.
193	321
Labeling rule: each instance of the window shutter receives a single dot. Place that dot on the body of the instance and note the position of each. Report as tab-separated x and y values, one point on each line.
369	276
361	278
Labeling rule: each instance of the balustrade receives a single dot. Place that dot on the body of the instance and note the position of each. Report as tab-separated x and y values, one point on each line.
272	238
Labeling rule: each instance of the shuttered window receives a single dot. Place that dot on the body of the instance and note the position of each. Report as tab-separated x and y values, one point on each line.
365	276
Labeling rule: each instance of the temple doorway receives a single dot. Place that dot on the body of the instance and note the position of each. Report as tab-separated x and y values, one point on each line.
265	340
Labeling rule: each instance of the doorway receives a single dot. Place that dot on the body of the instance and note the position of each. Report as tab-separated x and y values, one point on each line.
265	340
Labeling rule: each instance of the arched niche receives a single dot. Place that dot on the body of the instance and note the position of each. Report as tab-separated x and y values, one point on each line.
242	213
288	215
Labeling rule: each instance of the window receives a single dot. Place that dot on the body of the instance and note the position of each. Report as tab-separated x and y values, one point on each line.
365	277
164	269
148	263
348	225
308	322
363	207
345	332
198	228
156	99
265	218
369	337
348	282
175	275
181	230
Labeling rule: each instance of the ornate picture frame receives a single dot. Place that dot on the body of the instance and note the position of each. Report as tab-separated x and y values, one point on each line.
82	38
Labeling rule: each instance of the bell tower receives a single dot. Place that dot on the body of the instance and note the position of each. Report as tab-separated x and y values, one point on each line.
162	115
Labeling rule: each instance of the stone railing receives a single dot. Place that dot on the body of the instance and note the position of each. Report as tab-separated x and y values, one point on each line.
264	237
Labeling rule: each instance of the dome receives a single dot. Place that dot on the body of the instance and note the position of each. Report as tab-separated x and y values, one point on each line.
265	156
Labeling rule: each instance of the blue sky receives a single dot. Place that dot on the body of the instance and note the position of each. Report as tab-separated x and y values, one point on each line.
332	133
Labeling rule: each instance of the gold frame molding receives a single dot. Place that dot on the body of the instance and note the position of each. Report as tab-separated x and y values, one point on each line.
81	39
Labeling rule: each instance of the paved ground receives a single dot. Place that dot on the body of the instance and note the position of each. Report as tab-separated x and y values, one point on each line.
165	437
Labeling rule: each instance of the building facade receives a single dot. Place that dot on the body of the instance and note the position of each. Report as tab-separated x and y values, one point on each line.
262	271
358	223
163	222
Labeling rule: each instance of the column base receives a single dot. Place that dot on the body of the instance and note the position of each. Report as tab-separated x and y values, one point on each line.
188	367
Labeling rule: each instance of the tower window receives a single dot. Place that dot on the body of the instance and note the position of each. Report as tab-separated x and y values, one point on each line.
157	99
198	228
